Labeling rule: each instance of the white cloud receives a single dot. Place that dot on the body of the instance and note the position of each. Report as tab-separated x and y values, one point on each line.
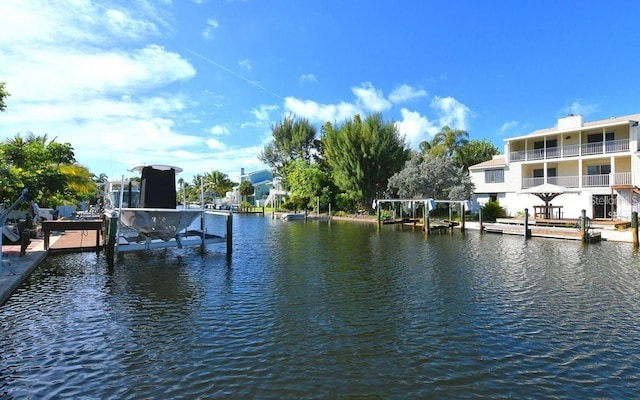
404	93
578	108
69	78
415	127
370	99
216	144
120	24
219	130
508	126
320	113
212	25
451	112
307	78
245	64
262	113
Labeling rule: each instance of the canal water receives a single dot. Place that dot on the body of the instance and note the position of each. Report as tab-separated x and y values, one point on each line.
330	310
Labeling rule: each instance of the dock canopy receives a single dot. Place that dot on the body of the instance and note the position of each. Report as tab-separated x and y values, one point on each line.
158	187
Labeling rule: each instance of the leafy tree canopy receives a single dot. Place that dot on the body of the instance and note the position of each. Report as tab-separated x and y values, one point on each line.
309	181
46	168
428	176
292	139
3	95
246	188
363	155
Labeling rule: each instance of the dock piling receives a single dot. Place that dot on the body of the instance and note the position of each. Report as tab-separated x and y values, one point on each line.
634	228
527	232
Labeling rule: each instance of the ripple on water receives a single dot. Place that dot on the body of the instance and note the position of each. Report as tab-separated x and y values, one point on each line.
340	310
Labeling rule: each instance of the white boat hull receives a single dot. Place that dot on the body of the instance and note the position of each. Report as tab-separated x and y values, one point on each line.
158	222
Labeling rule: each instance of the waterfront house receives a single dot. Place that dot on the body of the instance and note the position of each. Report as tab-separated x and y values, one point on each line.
262	182
596	162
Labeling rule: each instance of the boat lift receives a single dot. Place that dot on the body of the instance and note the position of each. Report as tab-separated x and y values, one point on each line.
3	219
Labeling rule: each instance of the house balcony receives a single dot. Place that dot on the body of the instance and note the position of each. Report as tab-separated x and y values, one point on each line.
584	181
568	151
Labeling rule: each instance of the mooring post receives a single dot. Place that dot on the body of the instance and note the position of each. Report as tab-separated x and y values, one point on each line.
462	217
112	228
450	217
480	219
583	226
527	232
229	218
634	227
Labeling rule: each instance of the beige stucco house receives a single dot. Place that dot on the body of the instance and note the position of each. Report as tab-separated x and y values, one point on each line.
596	162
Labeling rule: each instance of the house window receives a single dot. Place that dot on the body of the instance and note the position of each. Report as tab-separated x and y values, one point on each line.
597	137
494	175
603	169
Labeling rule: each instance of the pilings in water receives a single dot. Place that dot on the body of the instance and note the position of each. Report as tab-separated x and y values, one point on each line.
527	231
583	226
634	228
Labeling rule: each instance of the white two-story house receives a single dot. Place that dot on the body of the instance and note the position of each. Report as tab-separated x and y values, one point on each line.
596	162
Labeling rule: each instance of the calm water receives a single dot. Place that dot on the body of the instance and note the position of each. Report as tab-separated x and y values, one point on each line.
340	310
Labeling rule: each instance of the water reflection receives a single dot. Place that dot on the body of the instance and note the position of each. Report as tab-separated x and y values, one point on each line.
330	310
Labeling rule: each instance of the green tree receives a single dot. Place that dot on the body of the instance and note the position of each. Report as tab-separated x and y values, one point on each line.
363	155
431	177
308	181
48	169
474	152
292	139
448	142
3	95
217	183
246	189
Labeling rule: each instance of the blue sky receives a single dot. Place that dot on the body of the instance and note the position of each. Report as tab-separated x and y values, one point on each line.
198	83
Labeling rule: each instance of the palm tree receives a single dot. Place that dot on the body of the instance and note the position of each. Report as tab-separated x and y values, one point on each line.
450	141
217	183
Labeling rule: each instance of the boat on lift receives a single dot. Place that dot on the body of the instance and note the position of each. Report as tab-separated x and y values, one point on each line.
152	212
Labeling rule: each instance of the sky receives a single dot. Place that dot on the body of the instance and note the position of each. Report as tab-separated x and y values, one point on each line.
199	83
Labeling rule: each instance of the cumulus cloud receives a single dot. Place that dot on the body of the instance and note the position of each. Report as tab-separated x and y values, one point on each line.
215	144
451	112
370	99
415	127
69	76
404	93
219	130
320	113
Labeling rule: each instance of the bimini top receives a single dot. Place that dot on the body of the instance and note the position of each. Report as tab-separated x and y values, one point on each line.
159	167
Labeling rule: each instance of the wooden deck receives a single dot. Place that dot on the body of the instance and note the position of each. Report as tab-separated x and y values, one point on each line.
76	242
73	236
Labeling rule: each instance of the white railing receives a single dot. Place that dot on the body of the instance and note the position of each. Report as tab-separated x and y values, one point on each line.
602	180
595	180
573	150
531	182
622	178
566	181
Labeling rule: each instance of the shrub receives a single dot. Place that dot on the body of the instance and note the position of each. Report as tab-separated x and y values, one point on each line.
492	210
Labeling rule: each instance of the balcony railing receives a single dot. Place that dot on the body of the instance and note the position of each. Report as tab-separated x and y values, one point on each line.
602	180
573	150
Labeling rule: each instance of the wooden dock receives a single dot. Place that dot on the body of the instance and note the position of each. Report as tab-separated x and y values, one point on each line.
541	231
73	236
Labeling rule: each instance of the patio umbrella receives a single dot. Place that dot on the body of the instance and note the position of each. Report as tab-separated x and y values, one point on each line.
547	192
